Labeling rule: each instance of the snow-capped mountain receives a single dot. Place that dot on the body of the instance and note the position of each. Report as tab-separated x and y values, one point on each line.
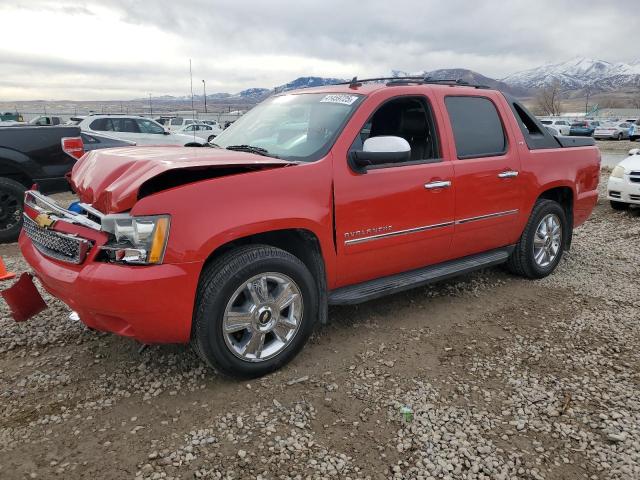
306	82
578	73
464	74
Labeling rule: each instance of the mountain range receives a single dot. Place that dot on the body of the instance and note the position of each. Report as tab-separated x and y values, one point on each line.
572	76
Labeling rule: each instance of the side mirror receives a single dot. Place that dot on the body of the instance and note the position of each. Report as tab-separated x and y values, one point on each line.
634	151
380	151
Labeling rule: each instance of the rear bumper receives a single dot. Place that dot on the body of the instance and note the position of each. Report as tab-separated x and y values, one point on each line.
152	304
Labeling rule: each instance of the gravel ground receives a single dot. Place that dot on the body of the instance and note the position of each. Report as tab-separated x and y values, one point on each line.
486	377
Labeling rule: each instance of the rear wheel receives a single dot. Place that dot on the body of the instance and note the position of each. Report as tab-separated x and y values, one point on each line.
210	139
543	241
256	308
619	205
620	136
11	198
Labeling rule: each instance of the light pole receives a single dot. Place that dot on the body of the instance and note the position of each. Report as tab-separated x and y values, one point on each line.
204	87
150	106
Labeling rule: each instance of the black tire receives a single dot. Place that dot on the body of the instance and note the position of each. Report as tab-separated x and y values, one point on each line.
620	136
522	262
11	198
211	137
619	205
220	280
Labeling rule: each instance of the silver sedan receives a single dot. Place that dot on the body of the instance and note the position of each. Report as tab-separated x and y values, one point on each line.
617	131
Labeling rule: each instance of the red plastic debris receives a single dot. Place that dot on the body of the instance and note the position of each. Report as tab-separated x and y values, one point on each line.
24	299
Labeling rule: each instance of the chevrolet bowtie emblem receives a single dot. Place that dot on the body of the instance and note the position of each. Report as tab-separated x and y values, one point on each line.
44	220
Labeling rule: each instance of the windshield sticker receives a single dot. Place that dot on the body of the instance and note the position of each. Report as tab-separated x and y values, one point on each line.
337	98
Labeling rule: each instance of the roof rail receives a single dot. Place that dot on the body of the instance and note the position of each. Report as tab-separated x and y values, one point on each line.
394	81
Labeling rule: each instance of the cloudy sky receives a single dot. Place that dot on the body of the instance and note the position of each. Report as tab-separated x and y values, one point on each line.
123	49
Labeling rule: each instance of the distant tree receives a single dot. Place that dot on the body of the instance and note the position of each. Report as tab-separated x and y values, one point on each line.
548	100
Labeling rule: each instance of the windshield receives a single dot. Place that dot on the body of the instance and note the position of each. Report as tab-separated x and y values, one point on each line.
299	127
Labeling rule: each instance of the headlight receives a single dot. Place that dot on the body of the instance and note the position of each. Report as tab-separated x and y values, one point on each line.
618	171
138	240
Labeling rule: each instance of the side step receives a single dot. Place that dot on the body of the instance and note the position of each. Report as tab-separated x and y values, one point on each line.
399	282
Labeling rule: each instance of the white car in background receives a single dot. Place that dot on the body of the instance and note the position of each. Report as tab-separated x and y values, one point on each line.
616	131
200	130
141	130
178	123
623	189
561	126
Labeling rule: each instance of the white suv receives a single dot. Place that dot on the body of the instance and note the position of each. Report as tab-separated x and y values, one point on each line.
143	131
563	127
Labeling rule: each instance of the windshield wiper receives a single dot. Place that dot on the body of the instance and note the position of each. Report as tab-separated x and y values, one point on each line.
251	149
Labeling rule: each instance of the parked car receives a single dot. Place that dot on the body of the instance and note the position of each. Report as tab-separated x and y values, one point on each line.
95	141
206	132
28	155
11	117
623	189
142	131
552	131
332	195
563	127
45	120
75	120
213	123
177	123
583	128
617	131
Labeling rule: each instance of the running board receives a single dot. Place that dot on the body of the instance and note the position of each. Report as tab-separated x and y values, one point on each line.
399	282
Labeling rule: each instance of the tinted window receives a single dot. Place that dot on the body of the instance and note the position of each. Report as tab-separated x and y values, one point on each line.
147	126
176	121
101	125
477	128
125	125
406	117
546	122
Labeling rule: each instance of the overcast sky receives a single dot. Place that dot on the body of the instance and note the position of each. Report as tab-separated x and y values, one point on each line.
123	49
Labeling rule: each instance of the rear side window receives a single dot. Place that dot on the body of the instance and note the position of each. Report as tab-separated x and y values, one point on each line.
101	125
477	128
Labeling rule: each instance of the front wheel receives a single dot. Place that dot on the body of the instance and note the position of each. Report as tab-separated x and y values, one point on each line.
11	198
543	241
210	139
620	136
256	307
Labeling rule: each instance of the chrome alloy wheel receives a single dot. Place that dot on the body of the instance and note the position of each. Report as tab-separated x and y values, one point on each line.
547	240
262	317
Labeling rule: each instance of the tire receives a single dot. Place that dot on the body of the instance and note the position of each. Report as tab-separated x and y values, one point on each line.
619	205
211	137
11	198
231	284
620	136
523	258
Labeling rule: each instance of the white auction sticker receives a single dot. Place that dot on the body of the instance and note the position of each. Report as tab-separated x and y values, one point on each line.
338	98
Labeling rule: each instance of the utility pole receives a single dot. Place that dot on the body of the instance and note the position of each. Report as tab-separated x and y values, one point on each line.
204	87
191	80
150	106
586	104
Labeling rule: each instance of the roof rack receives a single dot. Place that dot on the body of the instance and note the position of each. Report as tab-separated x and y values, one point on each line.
394	81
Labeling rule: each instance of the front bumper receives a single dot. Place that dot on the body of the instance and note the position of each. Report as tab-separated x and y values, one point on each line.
623	190
152	304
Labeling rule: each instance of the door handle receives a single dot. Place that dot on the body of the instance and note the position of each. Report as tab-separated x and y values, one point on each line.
438	184
508	174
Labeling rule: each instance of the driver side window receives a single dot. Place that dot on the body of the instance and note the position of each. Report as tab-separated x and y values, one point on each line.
406	117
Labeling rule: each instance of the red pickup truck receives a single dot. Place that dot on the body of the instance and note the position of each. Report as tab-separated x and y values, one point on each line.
332	195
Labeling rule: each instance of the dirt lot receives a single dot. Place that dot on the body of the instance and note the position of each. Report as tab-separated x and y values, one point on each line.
506	379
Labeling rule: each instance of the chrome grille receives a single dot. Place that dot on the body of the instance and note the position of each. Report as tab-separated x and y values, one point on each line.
61	246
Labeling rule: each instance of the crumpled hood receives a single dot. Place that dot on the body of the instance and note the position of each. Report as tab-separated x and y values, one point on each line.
110	179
